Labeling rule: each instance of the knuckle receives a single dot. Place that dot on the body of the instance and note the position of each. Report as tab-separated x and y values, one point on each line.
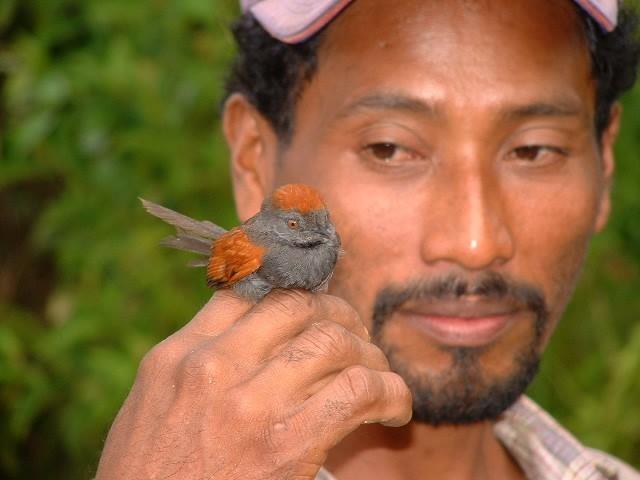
399	400
282	434
359	385
200	367
330	338
345	308
293	303
295	354
341	304
379	359
348	315
341	410
162	356
246	407
398	389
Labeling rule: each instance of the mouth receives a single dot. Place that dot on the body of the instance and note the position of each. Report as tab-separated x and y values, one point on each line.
468	322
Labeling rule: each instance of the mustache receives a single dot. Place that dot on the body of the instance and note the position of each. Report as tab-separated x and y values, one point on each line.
488	285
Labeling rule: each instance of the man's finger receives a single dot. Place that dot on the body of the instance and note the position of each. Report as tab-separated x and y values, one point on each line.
357	395
322	351
284	314
222	310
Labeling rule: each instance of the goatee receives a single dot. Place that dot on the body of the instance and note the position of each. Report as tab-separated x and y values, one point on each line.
464	393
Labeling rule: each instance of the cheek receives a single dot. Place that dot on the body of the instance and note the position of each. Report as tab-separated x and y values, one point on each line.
552	235
373	247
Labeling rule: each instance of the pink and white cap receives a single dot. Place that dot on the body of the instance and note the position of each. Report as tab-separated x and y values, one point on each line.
293	21
605	12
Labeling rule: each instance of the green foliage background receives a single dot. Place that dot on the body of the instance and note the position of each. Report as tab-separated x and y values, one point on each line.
105	100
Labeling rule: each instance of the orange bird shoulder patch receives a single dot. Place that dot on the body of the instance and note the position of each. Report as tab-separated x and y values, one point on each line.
233	257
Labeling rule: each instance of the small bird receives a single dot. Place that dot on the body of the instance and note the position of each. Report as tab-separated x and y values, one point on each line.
290	243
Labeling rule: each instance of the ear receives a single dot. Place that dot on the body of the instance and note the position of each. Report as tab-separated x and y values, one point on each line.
609	137
253	147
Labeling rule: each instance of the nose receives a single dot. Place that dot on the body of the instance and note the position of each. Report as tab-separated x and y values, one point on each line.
467	221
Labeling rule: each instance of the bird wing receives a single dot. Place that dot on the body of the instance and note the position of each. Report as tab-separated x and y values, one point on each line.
192	235
233	257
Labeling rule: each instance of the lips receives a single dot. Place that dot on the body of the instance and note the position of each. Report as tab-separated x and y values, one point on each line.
468	322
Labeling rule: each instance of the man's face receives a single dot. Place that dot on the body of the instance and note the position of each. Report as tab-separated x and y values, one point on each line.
454	145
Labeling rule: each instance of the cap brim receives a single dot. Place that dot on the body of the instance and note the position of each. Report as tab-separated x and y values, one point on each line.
295	20
292	21
604	12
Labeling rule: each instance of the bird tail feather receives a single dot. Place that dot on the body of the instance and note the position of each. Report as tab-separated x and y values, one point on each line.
200	262
191	235
188	244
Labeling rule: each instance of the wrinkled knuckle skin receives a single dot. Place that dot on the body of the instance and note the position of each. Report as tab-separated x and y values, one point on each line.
200	368
399	398
331	339
340	410
296	354
358	385
398	393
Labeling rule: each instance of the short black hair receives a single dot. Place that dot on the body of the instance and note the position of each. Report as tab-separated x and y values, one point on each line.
269	73
272	74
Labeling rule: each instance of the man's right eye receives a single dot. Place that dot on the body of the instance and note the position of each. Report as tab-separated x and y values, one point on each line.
387	153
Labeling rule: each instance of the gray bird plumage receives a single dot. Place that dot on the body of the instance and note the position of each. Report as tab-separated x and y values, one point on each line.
301	257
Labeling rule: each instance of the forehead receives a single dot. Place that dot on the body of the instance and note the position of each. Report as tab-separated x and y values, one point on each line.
546	23
464	51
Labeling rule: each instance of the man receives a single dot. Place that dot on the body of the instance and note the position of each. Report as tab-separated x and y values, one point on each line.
465	150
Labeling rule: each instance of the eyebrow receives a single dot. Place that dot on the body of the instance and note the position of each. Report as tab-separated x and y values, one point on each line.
560	107
556	108
386	101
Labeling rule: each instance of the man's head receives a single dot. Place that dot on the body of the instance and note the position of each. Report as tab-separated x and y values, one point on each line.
464	149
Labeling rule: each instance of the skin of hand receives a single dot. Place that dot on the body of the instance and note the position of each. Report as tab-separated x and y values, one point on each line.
290	243
253	391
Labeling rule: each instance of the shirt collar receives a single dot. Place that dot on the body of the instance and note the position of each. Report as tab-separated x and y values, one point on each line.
545	450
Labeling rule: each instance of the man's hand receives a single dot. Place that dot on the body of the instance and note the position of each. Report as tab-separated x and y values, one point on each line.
253	392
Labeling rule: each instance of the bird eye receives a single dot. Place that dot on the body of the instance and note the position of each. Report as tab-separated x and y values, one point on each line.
293	224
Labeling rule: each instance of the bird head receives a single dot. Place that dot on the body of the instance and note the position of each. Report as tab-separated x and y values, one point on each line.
297	216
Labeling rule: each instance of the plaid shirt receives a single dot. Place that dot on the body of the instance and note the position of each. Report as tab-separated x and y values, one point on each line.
546	451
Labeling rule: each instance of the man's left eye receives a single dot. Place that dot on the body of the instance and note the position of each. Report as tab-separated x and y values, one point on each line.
537	153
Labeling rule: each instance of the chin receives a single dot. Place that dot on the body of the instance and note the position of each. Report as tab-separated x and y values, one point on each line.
458	385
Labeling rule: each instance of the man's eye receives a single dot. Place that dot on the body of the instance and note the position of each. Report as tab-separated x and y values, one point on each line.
383	151
537	153
387	152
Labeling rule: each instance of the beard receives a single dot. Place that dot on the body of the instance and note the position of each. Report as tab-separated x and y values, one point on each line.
464	393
